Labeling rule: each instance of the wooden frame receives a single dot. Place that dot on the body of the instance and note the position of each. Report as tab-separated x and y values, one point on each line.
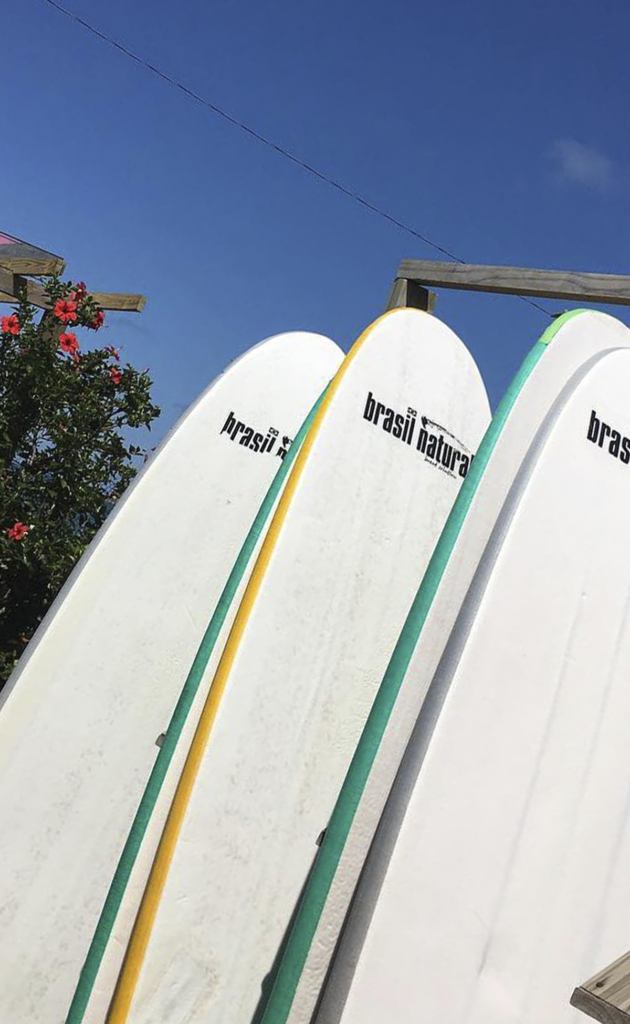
19	259
606	996
544	284
10	285
405	294
38	268
25	258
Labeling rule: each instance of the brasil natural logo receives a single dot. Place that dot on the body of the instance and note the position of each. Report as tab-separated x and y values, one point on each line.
436	443
601	434
256	440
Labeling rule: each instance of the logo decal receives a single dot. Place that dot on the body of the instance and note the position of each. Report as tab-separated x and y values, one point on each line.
255	440
601	434
430	439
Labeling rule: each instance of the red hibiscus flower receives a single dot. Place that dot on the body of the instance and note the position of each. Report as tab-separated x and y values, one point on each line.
115	374
10	325
98	321
17	532
113	352
65	311
80	291
68	342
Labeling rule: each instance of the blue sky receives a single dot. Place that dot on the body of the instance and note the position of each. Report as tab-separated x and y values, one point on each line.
498	130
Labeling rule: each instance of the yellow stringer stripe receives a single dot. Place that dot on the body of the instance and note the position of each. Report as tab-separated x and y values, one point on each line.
143	927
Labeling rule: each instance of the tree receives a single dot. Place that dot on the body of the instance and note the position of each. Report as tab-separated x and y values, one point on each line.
65	453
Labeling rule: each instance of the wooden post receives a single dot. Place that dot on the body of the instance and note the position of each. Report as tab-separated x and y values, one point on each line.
405	293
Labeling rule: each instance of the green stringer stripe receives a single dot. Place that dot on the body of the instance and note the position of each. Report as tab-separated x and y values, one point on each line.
323	872
152	790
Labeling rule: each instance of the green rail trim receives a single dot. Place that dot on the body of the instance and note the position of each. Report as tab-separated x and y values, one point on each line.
154	784
285	984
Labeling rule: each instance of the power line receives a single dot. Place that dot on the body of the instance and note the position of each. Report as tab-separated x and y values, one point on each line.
220	112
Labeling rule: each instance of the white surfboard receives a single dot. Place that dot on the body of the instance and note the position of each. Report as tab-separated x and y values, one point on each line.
498	874
369	491
80	717
565	347
104	959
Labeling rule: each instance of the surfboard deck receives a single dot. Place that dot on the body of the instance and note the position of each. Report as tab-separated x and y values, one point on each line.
80	718
567	345
320	613
105	955
497	875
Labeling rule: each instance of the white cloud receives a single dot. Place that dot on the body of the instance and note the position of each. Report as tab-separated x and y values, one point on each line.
581	165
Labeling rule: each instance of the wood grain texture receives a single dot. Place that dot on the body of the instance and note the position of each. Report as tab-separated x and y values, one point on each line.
120	300
598	1008
25	258
10	284
610	987
43	267
550	284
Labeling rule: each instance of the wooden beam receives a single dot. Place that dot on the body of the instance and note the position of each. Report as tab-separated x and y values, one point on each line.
544	284
25	258
409	294
10	285
596	1008
606	996
120	300
44	267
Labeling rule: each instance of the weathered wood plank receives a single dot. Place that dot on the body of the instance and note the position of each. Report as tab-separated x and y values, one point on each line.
596	1008
120	300
25	258
10	283
10	286
44	267
549	284
606	996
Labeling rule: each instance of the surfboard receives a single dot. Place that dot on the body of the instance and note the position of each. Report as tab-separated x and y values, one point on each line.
498	875
80	718
570	342
105	955
370	488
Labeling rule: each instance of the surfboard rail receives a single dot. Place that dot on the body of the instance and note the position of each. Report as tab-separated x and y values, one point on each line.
348	441
309	949
80	715
306	924
496	927
171	737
